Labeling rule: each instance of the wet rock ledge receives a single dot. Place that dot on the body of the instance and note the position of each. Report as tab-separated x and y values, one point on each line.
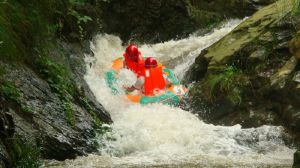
251	76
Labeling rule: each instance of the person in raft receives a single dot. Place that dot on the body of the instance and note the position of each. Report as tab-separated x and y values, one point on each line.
153	82
133	60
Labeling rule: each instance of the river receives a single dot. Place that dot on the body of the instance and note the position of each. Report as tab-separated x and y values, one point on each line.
163	136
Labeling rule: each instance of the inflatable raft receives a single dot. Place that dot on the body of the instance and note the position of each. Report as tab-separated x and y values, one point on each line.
172	95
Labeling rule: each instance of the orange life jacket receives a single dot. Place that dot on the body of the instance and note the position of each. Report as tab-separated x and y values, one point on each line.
154	80
136	67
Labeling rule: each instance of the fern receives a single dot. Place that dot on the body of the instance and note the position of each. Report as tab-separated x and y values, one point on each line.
296	8
229	84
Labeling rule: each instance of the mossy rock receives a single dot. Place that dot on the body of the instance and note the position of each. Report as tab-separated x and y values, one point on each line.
296	163
259	48
294	46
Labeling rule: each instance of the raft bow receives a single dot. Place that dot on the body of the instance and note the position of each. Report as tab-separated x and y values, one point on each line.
171	95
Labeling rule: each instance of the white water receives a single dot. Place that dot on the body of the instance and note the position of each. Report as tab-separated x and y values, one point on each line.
162	135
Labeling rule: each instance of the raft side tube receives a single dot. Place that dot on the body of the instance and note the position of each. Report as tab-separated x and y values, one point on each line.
111	80
166	98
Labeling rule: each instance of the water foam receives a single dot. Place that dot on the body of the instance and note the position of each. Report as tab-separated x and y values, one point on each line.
163	135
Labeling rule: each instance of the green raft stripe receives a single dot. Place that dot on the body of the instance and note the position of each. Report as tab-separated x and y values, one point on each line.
171	76
167	98
111	80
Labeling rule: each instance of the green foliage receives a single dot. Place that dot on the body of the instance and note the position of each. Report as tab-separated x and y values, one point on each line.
2	71
80	18
69	112
26	154
26	109
9	90
202	17
86	104
28	27
24	26
60	82
229	83
296	7
57	77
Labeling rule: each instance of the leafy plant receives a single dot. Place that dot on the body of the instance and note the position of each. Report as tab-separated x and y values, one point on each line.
229	83
26	154
86	104
9	90
60	83
80	19
2	71
296	7
69	112
26	109
57	77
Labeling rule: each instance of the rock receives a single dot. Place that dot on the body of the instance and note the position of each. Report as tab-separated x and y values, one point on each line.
279	78
296	163
62	126
258	47
296	77
245	33
44	100
152	21
294	46
157	21
251	117
4	157
46	119
6	132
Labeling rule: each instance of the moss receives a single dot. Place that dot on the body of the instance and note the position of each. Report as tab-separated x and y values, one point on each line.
222	52
203	18
296	8
2	71
229	84
28	27
9	90
57	76
60	83
25	153
26	109
69	112
93	114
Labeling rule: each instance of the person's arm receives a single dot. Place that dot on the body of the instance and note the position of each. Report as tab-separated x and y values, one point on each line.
167	81
139	84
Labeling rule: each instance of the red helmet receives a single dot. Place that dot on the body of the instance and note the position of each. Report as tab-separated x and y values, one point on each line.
150	62
132	52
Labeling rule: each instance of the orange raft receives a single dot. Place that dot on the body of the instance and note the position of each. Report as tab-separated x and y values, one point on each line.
172	95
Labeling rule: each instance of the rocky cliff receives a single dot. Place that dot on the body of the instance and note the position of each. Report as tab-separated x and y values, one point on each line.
46	108
251	76
157	20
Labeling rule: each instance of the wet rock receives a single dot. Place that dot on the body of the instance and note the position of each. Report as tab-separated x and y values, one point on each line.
152	21
62	126
296	163
258	55
6	132
294	46
279	78
46	119
4	157
258	47
157	21
296	77
5	160
251	118
198	70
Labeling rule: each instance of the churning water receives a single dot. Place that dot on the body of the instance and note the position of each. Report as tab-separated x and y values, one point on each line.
163	136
